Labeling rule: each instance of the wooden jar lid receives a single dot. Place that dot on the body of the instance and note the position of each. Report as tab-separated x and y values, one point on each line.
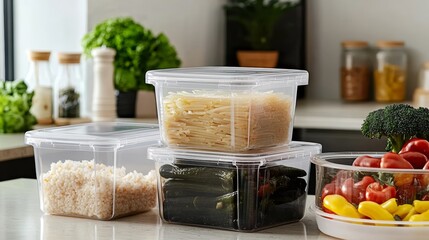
65	58
39	55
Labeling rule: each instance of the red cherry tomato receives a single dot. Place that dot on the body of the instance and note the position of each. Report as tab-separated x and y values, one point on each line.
328	189
416	145
378	193
417	159
360	189
367	161
394	160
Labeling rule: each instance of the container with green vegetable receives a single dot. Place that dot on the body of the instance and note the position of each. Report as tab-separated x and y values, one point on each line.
241	192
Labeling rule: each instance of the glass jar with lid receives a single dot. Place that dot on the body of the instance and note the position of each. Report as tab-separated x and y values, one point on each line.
355	71
421	94
38	80
67	92
390	72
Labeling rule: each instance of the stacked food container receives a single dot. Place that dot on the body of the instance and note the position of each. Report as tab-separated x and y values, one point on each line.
227	160
95	170
223	155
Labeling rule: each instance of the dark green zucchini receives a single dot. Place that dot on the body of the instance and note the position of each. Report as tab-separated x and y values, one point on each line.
226	201
289	193
201	210
208	175
184	188
281	170
208	217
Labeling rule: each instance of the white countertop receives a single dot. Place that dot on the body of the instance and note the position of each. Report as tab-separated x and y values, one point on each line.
333	115
309	114
21	218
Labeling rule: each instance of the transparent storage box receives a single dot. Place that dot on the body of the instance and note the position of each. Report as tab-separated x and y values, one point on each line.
95	170
385	198
230	109
241	192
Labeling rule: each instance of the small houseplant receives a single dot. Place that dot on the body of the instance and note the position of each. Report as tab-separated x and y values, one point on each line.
137	51
258	19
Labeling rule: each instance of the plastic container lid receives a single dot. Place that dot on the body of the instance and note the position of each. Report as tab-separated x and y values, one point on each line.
229	75
259	157
102	133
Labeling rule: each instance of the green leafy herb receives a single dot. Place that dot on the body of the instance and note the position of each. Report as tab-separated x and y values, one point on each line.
15	104
137	51
258	18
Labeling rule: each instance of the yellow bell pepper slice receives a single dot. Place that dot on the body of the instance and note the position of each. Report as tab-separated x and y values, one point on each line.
374	211
390	205
420	217
421	206
340	206
410	213
403	210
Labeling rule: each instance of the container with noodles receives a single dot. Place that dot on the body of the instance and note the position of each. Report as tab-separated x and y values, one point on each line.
226	108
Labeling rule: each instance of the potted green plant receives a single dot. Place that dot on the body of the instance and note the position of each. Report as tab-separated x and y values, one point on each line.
258	19
137	51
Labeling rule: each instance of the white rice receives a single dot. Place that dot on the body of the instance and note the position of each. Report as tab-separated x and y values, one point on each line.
86	189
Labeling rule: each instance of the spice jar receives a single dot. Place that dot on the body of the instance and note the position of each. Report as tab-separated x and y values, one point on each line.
38	80
67	88
421	94
390	72
355	65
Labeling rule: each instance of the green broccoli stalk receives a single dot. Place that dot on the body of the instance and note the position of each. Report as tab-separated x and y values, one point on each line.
398	123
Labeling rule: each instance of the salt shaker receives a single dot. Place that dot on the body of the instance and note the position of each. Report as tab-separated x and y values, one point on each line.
104	100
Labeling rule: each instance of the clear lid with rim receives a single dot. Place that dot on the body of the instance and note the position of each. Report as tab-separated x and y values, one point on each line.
101	133
255	157
229	75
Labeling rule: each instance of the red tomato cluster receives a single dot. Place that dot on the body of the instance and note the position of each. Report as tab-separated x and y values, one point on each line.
366	189
413	155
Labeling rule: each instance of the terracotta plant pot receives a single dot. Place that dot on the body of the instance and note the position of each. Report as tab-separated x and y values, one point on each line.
266	59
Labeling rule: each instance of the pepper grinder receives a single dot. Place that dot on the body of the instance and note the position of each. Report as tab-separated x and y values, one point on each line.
104	99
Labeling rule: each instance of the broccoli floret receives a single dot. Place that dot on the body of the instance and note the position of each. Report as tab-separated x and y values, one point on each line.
423	121
397	122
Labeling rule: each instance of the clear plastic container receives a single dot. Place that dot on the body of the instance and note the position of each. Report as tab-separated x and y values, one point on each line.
335	175
241	192
95	170
67	91
390	72
226	108
39	80
355	71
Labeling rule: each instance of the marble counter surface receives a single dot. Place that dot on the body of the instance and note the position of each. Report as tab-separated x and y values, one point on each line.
21	218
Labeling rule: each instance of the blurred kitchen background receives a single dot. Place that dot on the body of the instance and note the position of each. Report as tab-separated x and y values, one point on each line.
198	31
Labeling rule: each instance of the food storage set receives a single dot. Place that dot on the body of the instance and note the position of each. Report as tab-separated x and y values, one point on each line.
227	159
95	170
223	155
